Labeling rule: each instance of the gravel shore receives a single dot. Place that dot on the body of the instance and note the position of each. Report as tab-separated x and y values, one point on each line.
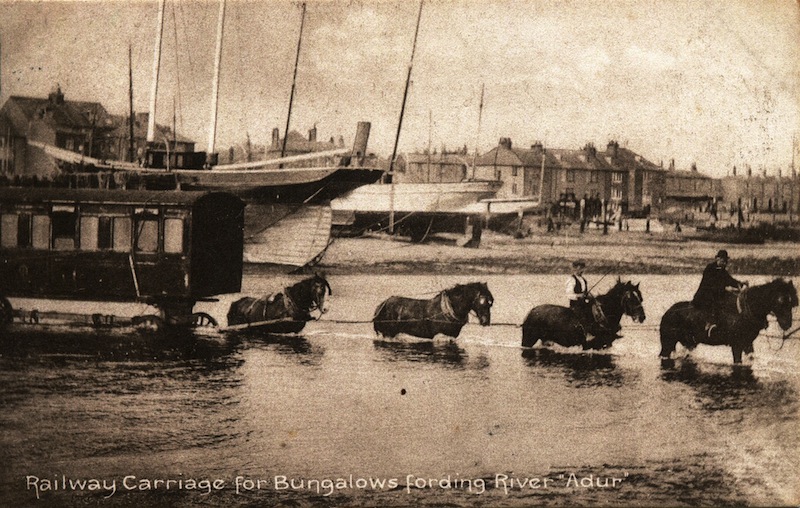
622	252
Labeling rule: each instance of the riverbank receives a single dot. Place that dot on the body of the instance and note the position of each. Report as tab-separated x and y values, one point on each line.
620	252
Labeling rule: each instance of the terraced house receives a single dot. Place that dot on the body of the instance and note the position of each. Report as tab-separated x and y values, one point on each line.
623	179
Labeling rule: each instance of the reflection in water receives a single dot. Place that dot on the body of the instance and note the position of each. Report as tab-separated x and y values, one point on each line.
296	347
422	351
581	369
729	386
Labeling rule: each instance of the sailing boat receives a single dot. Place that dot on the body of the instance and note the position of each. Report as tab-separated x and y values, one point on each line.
425	204
281	192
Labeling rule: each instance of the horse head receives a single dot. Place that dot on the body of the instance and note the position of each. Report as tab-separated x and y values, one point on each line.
782	300
319	289
482	302
632	301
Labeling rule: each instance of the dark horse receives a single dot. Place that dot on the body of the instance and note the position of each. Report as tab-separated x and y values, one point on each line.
553	323
285	312
740	319
446	313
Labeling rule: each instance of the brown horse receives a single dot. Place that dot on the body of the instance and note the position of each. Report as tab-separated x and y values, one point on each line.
445	314
553	323
285	312
741	319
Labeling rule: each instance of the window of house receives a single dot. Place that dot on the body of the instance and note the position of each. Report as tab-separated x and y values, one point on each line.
173	236
105	233
514	189
69	144
593	176
616	193
616	177
121	234
514	171
498	175
40	237
65	225
570	175
89	233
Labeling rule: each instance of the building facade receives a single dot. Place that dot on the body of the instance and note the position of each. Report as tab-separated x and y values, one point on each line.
617	176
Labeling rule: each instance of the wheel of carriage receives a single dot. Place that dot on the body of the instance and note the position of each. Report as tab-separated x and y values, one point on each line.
201	319
6	311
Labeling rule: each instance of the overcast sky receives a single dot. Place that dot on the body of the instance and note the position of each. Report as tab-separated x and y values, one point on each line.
709	82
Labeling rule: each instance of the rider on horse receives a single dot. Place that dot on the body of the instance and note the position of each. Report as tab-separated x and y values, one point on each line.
715	282
582	302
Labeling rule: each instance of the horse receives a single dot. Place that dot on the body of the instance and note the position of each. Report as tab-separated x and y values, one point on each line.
283	312
742	316
445	314
553	323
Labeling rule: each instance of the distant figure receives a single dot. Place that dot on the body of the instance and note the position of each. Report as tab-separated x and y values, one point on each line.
716	280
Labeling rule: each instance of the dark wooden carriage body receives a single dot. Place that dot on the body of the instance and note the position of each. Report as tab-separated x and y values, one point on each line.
162	247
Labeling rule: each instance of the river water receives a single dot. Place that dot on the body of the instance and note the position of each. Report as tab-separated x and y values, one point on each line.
336	416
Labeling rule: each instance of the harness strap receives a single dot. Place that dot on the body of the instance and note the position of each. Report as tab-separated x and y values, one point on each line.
447	307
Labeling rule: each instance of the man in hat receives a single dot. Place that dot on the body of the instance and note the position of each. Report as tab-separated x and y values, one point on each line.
716	280
580	301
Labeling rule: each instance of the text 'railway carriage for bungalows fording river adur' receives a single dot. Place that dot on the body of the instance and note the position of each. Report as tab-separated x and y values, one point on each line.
168	249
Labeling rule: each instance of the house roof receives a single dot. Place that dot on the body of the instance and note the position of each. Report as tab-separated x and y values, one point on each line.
435	158
62	113
296	142
588	159
120	128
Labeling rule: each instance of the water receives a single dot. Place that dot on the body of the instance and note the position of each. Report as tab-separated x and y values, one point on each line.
357	421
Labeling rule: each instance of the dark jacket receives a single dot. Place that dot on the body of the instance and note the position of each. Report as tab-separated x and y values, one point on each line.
712	286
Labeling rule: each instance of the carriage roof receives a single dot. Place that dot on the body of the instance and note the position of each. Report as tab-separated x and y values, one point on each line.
13	195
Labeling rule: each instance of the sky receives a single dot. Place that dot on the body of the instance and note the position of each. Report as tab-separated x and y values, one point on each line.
706	82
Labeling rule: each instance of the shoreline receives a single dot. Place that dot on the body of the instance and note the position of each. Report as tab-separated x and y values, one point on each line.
626	252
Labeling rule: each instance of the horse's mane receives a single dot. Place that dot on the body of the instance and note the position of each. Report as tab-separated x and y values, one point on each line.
778	284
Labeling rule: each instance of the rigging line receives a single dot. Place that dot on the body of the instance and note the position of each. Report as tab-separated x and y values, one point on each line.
177	71
294	81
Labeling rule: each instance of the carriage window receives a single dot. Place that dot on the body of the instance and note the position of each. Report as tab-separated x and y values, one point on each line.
122	234
104	233
173	235
64	226
8	230
89	233
146	234
41	232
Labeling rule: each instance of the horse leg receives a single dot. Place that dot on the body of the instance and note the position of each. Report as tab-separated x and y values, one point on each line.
529	335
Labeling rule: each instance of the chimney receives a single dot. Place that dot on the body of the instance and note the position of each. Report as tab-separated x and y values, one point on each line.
590	150
612	149
694	167
312	134
276	139
734	170
505	142
56	97
537	147
749	171
671	165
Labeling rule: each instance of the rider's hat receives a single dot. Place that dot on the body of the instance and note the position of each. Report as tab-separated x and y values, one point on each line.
722	254
578	264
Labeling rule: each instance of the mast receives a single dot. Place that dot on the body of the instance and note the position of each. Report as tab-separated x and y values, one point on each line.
400	123
131	142
212	132
294	81
151	120
478	133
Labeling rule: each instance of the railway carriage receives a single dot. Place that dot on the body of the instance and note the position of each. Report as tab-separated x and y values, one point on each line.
169	249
